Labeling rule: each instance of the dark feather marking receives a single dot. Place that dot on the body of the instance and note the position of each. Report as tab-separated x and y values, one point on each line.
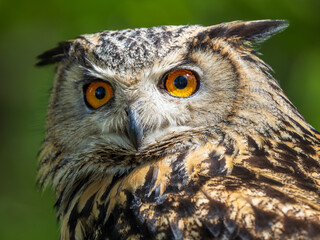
252	143
195	185
130	215
41	181
304	130
104	196
273	193
270	181
186	207
217	32
168	232
231	185
275	86
231	227
59	166
263	67
98	223
293	225
229	150
309	162
304	181
282	169
58	202
313	230
214	230
288	124
120	218
216	210
260	162
76	189
286	149
150	180
111	228
75	216
267	142
49	158
204	231
256	151
266	71
295	136
86	210
302	143
244	234
97	56
73	220
263	219
217	164
80	54
307	148
178	176
309	185
314	130
102	209
243	173
164	207
287	161
176	231
247	57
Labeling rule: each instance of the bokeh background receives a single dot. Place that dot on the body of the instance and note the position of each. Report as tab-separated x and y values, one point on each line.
30	27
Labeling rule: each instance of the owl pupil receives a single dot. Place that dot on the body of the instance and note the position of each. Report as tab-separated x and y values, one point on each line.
100	93
180	82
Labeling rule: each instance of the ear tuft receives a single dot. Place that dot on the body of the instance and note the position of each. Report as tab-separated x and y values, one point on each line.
54	55
252	31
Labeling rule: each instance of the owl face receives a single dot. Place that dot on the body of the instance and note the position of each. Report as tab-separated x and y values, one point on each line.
155	93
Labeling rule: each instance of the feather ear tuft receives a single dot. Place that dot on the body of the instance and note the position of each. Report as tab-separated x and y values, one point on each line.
54	55
253	31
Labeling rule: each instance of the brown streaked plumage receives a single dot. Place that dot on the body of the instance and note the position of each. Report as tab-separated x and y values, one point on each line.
234	160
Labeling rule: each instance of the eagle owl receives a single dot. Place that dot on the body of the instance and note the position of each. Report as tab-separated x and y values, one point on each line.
177	132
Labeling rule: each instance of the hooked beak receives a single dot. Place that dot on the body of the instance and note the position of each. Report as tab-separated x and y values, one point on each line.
134	130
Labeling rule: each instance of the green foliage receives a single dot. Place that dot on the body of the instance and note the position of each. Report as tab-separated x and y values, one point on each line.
30	27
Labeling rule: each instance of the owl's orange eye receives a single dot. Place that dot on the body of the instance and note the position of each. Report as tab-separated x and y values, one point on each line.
181	83
98	93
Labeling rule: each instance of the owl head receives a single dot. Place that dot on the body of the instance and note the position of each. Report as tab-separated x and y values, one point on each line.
131	92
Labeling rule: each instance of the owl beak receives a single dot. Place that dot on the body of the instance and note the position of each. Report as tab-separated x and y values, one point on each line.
134	130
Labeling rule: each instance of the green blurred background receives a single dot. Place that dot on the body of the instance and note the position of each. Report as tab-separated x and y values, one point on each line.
30	27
